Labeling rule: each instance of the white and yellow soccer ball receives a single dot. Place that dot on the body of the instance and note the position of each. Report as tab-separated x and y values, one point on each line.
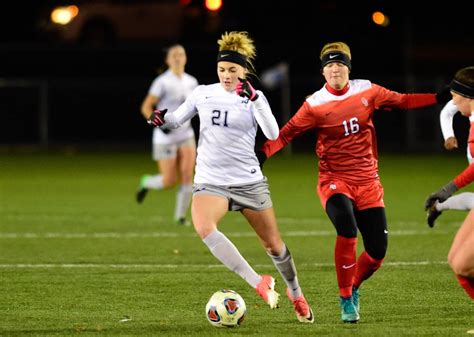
226	308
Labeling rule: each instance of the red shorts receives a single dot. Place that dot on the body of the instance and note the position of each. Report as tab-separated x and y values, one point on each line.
364	196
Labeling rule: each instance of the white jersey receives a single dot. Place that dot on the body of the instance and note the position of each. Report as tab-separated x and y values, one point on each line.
172	90
446	119
228	127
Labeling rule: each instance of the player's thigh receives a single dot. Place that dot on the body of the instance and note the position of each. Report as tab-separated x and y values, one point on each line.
461	254
463	233
169	171
206	211
187	160
265	225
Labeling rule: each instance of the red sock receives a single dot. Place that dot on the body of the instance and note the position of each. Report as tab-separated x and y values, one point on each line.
467	284
366	266
345	259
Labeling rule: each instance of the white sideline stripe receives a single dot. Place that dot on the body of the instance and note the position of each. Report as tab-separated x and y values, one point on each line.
129	235
187	266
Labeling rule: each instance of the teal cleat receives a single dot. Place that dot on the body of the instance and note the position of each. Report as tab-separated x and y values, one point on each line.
355	298
349	313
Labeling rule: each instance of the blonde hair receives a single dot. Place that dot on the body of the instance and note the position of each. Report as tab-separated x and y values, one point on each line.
241	43
338	46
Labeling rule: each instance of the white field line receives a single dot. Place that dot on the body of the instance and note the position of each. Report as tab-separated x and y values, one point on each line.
144	235
185	267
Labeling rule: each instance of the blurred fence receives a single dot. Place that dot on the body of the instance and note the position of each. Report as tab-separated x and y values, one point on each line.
106	110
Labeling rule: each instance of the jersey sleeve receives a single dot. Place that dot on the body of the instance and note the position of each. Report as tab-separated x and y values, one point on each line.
391	99
446	119
184	112
465	177
264	117
301	122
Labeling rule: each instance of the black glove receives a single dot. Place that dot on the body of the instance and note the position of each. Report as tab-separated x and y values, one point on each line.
157	118
261	156
245	89
443	194
444	96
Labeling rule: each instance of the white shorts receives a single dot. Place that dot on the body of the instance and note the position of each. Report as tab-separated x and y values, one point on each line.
166	151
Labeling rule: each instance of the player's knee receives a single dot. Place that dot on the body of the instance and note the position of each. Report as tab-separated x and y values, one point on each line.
377	250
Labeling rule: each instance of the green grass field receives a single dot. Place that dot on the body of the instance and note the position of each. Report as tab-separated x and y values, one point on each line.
78	256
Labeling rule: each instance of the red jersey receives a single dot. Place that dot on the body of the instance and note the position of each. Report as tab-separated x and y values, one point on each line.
346	142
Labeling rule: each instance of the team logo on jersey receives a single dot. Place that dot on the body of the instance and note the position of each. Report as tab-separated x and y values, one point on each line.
364	101
332	186
245	101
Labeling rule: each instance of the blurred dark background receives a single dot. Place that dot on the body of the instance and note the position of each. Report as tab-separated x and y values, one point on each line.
83	83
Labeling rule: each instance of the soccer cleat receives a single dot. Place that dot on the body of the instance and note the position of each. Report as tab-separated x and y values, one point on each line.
183	222
355	298
302	308
266	290
432	214
142	190
349	313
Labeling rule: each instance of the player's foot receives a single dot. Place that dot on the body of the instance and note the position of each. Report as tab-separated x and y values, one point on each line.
183	222
142	190
355	298
349	313
266	290
432	214
302	308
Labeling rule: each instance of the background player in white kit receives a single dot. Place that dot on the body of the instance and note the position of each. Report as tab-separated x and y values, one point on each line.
228	175
173	150
462	201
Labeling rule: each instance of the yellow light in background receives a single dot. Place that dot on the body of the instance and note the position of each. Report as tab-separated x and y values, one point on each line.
380	19
64	15
213	5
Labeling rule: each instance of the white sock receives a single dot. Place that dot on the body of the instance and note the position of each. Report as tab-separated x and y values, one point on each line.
154	182
225	251
183	199
286	266
462	202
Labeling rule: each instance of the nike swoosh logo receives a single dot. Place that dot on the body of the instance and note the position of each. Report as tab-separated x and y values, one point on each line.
332	56
224	55
348	267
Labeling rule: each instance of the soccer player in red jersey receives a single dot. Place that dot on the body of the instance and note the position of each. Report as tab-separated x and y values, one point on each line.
349	186
461	254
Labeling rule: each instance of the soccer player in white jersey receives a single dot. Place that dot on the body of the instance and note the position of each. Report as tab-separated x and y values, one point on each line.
462	201
173	150
228	176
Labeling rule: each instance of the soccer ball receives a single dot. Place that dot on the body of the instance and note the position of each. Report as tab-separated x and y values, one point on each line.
225	308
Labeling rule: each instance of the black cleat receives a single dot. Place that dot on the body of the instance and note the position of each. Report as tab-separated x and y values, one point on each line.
183	222
141	194
432	215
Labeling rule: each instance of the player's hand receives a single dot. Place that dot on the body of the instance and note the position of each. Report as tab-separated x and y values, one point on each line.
451	143
157	118
444	193
261	156
444	96
245	89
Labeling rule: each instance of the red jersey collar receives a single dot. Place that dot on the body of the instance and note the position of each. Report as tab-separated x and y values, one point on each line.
337	92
